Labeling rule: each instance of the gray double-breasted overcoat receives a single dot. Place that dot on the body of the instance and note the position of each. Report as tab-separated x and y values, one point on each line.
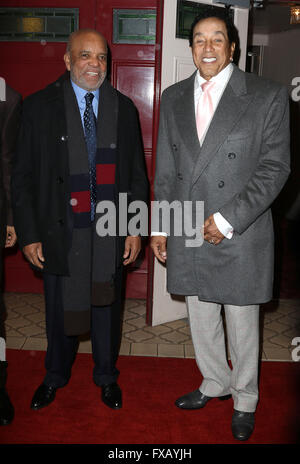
239	170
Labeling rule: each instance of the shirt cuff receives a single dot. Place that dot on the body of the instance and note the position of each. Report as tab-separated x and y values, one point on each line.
154	234
224	227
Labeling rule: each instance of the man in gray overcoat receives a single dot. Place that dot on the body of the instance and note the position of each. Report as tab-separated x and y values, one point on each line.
223	140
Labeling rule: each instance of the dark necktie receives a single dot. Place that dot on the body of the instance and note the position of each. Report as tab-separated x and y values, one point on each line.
91	144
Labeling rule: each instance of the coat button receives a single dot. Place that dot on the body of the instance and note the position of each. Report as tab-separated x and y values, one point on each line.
175	147
60	222
221	184
179	176
60	180
231	155
64	138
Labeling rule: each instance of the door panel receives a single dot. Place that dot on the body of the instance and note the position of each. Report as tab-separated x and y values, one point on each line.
138	80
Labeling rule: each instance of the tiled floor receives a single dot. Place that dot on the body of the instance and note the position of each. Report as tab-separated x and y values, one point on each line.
25	329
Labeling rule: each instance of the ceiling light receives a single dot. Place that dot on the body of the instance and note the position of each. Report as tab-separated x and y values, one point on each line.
295	15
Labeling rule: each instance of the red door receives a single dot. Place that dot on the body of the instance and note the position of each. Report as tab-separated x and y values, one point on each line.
135	71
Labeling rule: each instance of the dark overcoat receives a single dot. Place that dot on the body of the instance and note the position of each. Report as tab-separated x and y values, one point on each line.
41	182
10	112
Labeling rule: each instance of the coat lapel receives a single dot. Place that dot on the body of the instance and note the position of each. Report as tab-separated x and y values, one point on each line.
184	115
76	141
231	107
107	121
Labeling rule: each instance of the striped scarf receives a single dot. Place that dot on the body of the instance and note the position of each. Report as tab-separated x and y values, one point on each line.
92	259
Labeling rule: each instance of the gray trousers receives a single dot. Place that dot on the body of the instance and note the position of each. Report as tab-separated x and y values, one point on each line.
242	323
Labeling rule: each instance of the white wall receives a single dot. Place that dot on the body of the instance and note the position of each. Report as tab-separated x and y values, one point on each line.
282	56
271	27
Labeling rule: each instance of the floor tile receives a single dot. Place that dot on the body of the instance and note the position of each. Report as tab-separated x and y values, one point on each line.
31	331
171	351
137	322
13	333
157	340
177	324
140	310
27	309
142	349
85	346
189	351
137	336
15	343
18	323
125	348
36	317
38	344
186	330
126	327
131	303
263	356
283	340
292	332
158	329
127	315
175	337
277	326
277	354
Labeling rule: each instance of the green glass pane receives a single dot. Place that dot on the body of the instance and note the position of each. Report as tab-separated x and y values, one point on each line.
34	24
134	26
186	13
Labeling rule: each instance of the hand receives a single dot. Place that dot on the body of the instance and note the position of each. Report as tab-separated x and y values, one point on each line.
34	254
11	237
211	232
132	249
159	246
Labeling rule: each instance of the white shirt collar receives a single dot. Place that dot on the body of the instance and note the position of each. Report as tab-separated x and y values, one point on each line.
221	78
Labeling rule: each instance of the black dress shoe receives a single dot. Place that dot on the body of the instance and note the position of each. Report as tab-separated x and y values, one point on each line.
6	408
43	396
112	395
195	400
242	424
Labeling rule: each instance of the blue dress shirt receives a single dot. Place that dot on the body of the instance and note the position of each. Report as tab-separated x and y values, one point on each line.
80	93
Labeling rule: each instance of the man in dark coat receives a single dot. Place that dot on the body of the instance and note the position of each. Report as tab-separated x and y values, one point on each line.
79	147
10	105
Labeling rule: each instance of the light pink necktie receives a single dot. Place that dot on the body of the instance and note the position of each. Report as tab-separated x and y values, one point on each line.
205	109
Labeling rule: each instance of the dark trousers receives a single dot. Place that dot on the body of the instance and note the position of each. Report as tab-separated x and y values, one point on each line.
61	350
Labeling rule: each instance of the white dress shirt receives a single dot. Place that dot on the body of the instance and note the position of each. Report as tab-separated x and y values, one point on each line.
221	80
